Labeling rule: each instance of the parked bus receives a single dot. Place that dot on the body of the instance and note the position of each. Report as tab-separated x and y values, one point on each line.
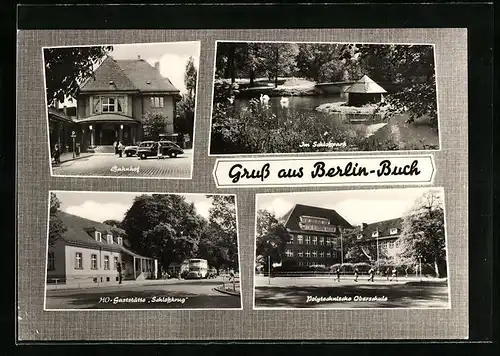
198	268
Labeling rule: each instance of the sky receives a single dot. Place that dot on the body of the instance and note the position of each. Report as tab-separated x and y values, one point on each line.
100	206
356	206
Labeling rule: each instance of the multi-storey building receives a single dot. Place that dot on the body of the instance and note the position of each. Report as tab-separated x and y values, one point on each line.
384	235
316	235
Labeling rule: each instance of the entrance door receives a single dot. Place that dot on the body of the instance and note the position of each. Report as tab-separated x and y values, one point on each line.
108	136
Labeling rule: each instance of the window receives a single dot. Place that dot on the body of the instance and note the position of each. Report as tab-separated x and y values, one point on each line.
93	261
391	245
398	243
307	240
157	101
321	254
115	265
51	261
393	231
300	253
106	262
328	255
78	260
109	239
321	240
308	254
291	240
289	253
334	254
119	240
360	236
315	240
375	234
315	254
300	239
98	236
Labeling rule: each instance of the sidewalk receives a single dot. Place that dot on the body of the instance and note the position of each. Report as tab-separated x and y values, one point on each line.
108	284
68	156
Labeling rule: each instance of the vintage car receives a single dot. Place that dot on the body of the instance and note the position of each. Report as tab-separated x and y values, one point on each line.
167	148
130	151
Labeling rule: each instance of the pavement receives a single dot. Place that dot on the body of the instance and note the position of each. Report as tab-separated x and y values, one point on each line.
111	165
327	292
171	294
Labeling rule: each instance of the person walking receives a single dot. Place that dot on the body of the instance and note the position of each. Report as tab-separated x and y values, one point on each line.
115	145
57	154
338	274
406	272
159	153
371	274
394	274
119	270
120	148
356	274
387	273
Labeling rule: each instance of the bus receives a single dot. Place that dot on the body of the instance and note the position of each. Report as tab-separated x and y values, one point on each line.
198	268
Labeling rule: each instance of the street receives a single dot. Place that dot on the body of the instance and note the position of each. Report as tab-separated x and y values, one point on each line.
172	294
108	164
326	292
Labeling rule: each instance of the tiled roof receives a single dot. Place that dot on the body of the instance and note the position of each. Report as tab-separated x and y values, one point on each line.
365	86
127	75
292	217
80	231
383	228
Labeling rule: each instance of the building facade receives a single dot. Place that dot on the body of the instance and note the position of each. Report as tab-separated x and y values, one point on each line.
89	253
384	235
316	236
111	105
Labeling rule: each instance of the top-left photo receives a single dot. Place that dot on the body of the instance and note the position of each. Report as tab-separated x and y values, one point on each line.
125	110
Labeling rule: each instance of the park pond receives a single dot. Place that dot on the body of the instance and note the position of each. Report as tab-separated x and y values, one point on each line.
323	111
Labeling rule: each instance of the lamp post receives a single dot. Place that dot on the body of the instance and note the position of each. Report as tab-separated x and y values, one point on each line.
269	269
377	253
341	249
91	136
420	266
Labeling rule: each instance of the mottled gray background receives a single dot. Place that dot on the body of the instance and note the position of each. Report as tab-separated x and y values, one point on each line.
34	181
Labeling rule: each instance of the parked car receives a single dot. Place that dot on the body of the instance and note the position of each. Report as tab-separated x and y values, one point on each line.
212	273
168	148
130	151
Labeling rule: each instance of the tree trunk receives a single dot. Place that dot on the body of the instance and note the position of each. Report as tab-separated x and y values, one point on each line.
436	268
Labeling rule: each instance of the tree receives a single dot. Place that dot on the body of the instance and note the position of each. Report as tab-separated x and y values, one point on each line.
272	237
57	228
423	233
112	222
66	68
411	69
279	59
153	125
190	77
163	226
320	62
221	238
184	115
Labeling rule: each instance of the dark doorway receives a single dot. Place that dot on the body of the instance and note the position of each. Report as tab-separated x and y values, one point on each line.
108	137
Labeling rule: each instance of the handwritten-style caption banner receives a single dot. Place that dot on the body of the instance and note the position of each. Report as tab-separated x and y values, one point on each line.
361	170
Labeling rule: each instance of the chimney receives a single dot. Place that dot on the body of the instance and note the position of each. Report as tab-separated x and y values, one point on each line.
139	57
157	66
363	226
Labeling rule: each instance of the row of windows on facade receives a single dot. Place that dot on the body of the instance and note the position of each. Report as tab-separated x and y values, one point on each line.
314	254
376	233
108	104
147	267
313	240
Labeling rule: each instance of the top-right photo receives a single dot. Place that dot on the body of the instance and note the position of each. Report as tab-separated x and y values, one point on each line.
296	97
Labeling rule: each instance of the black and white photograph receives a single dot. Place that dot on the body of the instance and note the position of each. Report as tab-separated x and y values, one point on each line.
298	97
383	248
121	250
125	110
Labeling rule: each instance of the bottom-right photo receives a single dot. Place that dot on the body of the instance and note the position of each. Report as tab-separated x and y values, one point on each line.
351	249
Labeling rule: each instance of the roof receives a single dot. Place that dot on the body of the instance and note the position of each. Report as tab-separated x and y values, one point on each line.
58	115
80	232
117	118
292	217
383	228
127	75
365	86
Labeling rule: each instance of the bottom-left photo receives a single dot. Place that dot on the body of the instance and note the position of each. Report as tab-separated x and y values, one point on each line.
124	250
